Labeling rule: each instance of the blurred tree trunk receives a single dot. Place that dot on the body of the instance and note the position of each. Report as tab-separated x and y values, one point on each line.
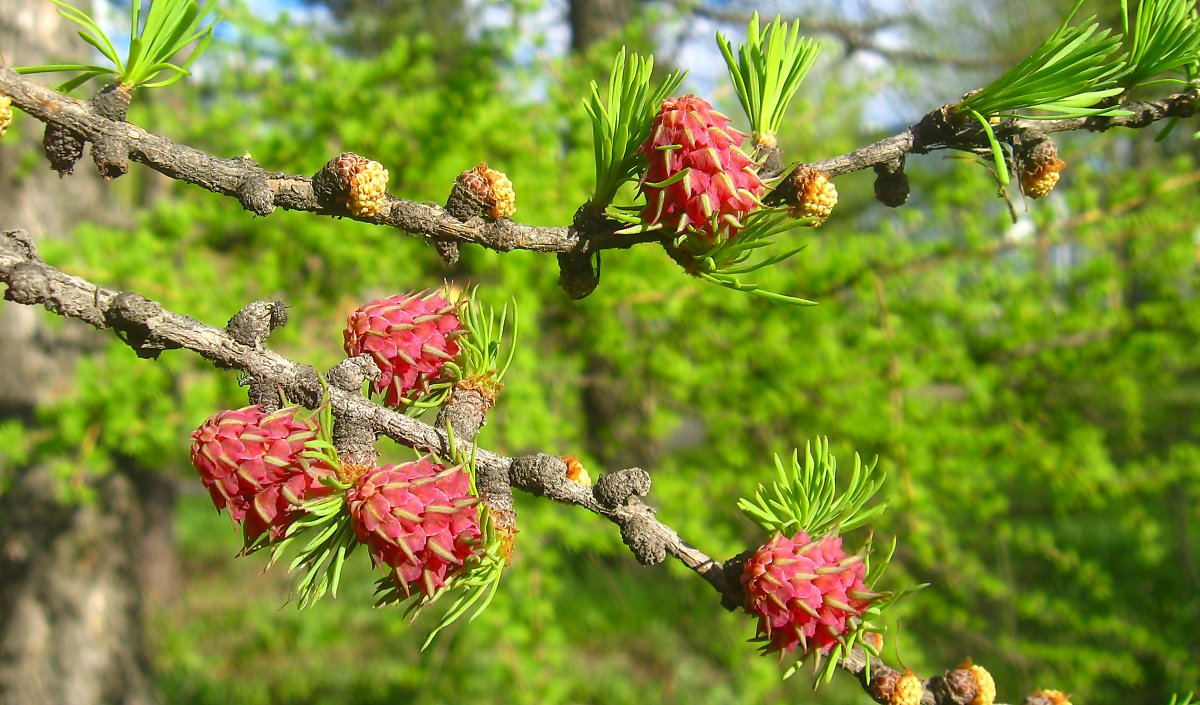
593	20
368	27
72	575
614	410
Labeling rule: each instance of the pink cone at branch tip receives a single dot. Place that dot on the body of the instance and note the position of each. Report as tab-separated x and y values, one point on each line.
251	464
418	518
722	185
409	336
804	592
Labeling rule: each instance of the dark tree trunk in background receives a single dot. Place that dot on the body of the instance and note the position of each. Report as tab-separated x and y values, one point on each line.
593	20
70	611
72	576
615	410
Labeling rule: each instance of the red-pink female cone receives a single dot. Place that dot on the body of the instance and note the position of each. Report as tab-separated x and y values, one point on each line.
418	518
251	464
722	185
804	592
409	336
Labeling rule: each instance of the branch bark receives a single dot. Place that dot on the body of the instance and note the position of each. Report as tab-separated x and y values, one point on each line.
261	191
149	330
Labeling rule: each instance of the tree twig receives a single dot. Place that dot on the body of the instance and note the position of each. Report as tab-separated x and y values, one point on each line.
149	330
261	191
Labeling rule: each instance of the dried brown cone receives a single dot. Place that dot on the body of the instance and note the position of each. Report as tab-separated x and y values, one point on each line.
493	189
476	186
986	694
883	684
6	113
578	273
113	101
62	147
1039	169
815	195
957	686
891	185
332	182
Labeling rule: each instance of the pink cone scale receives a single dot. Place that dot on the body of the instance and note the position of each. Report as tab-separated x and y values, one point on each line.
804	592
410	337
250	462
722	183
418	518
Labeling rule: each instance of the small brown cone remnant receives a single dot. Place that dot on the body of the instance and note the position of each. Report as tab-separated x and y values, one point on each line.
1039	169
576	472
113	101
6	113
891	184
883	684
908	690
476	186
493	189
1056	697
110	154
957	686
815	195
62	147
983	681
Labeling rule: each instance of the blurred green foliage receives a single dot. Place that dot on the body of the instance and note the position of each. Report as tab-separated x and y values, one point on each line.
1032	391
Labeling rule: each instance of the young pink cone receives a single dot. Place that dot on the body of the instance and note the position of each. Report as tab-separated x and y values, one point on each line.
804	592
418	518
722	185
410	337
251	464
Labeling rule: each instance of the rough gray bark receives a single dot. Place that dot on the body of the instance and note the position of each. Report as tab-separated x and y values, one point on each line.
70	611
33	33
71	576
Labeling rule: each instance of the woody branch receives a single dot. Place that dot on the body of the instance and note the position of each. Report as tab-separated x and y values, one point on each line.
261	191
149	330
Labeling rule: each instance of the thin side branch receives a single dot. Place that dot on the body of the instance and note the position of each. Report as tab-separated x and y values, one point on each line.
149	329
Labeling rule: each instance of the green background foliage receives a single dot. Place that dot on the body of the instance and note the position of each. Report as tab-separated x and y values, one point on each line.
1032	390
